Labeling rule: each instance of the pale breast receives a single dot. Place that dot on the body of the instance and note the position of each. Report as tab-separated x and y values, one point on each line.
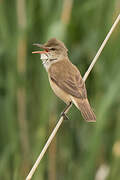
60	93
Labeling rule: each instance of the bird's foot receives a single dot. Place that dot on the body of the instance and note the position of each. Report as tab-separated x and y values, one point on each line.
65	117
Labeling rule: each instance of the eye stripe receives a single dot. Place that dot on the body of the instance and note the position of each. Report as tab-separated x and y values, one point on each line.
53	49
53	59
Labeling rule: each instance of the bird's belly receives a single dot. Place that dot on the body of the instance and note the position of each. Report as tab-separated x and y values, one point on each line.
60	93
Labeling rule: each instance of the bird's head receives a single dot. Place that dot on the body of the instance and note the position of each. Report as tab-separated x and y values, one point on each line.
53	51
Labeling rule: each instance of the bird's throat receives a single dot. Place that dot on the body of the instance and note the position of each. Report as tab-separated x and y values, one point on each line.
44	56
45	60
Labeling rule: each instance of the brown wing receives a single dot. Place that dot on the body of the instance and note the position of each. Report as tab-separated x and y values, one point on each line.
68	78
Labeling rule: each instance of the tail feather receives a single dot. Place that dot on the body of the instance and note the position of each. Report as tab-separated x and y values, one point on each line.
86	110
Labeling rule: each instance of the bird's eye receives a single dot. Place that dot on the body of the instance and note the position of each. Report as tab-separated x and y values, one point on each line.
53	49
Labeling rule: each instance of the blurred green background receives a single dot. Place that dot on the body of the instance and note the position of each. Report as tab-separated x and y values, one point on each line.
28	108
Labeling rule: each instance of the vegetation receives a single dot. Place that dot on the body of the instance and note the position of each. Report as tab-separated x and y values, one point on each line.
28	108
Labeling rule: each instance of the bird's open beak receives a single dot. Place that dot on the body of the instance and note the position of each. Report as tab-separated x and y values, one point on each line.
39	52
40	46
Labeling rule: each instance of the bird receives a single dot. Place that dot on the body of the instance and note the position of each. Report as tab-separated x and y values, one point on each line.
64	77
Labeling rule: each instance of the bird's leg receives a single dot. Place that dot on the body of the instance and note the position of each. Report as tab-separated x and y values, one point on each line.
63	113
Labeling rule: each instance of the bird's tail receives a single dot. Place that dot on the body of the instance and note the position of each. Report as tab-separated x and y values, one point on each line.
86	110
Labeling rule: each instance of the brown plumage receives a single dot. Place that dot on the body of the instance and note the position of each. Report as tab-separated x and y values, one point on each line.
65	79
70	81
